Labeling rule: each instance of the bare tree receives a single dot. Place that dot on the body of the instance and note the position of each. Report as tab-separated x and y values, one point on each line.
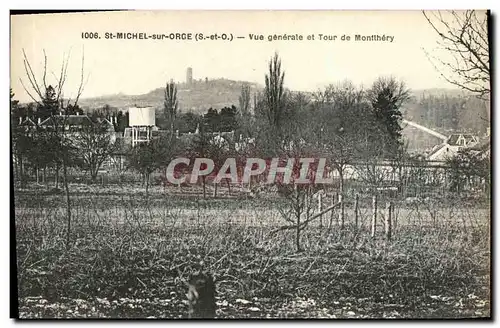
148	157
38	90
325	95
51	99
342	116
209	145
96	145
297	209
464	35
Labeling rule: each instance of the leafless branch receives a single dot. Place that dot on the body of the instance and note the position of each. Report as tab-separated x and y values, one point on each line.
465	37
62	76
44	69
31	76
82	82
29	94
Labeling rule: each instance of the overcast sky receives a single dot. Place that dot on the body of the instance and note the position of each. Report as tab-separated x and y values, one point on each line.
138	66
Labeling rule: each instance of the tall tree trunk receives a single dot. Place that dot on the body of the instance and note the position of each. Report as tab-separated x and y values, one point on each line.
21	172
57	176
93	174
228	186
204	187
68	204
297	237
215	190
16	166
146	178
400	178
298	212
341	193
165	181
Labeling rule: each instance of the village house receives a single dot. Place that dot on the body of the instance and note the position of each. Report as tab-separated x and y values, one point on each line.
452	146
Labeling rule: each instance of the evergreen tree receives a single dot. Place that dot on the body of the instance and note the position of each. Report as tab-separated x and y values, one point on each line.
170	104
211	120
49	105
228	120
244	100
386	97
274	94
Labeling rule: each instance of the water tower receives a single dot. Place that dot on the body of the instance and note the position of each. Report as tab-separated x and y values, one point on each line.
141	121
189	76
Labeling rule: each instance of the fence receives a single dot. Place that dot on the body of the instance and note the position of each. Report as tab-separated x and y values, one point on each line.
376	216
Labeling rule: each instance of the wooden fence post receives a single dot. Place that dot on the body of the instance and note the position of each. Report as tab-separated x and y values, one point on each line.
374	215
356	205
394	218
388	221
341	212
307	204
334	201
320	208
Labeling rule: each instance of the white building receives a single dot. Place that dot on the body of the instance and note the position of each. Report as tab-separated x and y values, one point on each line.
452	146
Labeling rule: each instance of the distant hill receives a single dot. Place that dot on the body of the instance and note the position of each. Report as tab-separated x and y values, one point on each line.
201	95
197	97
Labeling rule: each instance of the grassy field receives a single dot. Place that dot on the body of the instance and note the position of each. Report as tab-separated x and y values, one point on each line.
128	255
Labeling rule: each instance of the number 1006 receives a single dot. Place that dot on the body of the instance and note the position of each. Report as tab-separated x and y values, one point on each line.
90	35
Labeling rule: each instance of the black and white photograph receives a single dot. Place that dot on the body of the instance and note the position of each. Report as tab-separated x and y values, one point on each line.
251	164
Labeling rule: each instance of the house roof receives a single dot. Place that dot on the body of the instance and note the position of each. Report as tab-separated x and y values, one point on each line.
28	121
76	121
72	120
436	149
481	147
453	139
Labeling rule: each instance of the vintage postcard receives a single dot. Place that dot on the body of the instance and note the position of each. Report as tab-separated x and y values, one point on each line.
251	164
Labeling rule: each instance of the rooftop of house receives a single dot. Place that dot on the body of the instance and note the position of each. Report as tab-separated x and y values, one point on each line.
467	140
461	139
71	120
74	121
27	122
436	149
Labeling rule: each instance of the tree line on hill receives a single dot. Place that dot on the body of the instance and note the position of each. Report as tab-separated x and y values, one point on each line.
454	113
